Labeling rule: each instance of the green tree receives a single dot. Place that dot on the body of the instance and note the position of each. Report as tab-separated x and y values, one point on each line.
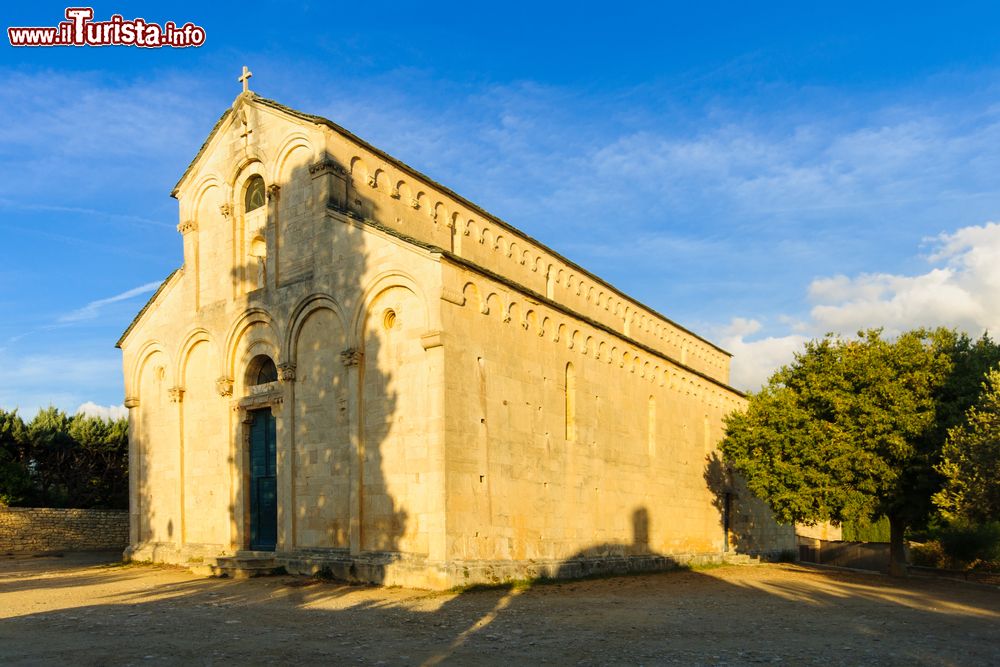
15	478
99	474
971	461
50	447
853	429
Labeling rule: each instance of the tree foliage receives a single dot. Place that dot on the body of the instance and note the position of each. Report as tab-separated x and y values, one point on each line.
61	461
971	461
853	430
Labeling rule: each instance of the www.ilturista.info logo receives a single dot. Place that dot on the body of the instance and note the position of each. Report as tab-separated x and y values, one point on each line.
81	30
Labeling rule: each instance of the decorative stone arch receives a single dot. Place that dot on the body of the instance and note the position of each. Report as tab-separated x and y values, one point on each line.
530	320
201	188
378	179
235	335
141	359
512	313
293	140
471	229
545	326
376	287
472	296
359	169
494	304
248	166
402	192
199	335
306	307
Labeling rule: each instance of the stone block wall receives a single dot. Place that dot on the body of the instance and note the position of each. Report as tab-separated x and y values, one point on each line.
36	530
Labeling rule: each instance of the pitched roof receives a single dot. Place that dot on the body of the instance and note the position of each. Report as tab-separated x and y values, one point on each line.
135	320
250	96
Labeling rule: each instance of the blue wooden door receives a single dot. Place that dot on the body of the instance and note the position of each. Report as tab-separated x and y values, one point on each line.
263	482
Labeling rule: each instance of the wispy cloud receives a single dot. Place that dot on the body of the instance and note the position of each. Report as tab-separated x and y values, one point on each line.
93	309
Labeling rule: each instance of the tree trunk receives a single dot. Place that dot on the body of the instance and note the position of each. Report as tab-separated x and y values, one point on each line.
897	551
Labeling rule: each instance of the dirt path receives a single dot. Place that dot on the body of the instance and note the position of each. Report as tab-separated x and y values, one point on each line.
77	610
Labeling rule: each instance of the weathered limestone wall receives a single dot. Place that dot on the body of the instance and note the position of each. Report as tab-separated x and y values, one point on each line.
37	530
565	441
358	402
821	531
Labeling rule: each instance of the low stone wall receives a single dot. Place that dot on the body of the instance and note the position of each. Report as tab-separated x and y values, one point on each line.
40	530
859	555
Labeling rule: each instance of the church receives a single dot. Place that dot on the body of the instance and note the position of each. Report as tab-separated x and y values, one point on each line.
356	371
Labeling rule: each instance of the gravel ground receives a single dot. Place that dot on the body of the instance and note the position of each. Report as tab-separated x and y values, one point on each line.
82	610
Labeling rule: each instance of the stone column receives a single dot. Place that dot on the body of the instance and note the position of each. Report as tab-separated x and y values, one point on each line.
177	396
272	236
436	482
351	358
284	417
189	229
134	473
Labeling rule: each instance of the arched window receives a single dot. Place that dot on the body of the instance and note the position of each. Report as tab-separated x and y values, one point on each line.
255	194
261	370
570	403
651	426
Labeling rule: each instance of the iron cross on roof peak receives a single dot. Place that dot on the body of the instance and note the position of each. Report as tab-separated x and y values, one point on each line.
245	79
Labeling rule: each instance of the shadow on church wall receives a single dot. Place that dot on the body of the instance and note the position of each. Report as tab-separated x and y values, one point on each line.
745	522
336	400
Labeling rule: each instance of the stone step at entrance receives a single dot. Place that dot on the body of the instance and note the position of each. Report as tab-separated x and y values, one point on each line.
246	564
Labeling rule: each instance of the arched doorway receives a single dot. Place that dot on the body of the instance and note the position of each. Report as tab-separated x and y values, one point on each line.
263	461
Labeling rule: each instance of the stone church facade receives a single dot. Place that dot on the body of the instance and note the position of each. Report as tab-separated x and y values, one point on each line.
362	372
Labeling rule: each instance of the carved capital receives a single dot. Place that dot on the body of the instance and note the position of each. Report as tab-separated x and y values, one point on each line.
273	190
372	182
176	394
286	372
431	339
414	203
131	402
224	386
187	226
351	357
277	406
226	210
395	193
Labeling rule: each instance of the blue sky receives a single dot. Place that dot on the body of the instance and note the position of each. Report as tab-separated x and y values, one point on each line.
761	174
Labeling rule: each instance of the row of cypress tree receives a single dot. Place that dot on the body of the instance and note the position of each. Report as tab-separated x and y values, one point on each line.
58	460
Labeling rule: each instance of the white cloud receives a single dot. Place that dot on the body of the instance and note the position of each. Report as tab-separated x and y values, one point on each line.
961	290
93	309
92	409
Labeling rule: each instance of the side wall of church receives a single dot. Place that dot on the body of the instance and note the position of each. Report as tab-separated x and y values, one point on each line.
566	442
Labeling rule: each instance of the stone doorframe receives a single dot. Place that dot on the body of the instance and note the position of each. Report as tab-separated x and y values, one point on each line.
270	395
